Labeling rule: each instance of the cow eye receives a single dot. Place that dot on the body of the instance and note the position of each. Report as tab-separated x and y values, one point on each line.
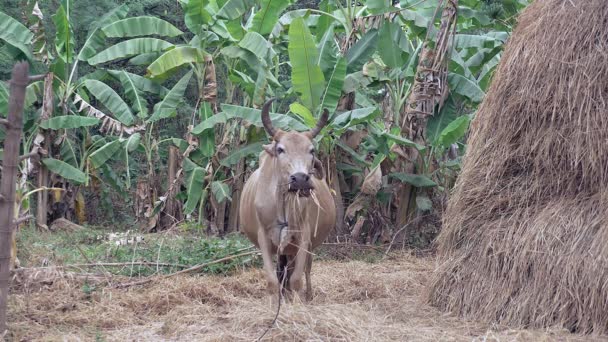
280	150
312	151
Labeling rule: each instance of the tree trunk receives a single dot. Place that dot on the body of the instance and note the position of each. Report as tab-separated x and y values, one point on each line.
173	208
12	141
43	198
237	188
43	172
334	184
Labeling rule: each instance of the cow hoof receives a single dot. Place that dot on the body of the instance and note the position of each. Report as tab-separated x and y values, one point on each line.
308	297
295	284
273	286
297	297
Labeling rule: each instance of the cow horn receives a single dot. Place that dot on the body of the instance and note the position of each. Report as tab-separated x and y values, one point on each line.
320	124
266	119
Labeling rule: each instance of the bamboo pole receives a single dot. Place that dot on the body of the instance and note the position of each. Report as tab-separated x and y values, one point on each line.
14	125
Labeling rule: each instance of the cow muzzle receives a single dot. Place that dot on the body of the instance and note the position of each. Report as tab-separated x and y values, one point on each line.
301	183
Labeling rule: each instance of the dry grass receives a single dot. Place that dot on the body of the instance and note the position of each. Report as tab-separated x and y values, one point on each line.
354	301
525	237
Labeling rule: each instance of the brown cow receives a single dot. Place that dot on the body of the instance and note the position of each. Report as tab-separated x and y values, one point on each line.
285	211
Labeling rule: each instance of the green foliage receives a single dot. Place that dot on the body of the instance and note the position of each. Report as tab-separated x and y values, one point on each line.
168	106
241	153
454	131
419	181
93	244
194	185
129	48
65	170
105	153
233	9
306	74
16	35
361	52
252	116
64	40
221	191
174	58
335	82
268	15
111	100
141	26
162	51
392	35
68	121
133	93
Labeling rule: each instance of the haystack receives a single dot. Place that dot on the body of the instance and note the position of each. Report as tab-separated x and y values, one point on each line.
525	239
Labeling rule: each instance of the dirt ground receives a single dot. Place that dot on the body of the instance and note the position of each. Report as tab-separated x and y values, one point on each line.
354	301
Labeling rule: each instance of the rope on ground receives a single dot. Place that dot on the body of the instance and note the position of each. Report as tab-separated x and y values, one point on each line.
276	316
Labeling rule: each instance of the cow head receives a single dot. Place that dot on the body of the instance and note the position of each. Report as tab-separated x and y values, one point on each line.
294	153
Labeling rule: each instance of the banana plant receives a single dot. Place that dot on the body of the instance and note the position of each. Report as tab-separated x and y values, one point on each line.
93	99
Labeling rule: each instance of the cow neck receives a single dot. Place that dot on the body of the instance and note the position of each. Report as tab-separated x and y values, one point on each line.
270	170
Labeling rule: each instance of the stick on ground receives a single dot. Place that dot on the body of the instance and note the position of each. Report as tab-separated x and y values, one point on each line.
188	270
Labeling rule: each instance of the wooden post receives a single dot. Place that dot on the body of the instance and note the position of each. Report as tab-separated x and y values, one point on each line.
14	125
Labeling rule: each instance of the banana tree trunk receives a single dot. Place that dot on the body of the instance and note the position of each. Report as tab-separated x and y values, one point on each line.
346	102
12	141
428	91
42	198
233	219
44	146
173	208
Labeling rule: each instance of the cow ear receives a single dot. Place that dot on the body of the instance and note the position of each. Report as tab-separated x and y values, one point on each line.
318	169
270	149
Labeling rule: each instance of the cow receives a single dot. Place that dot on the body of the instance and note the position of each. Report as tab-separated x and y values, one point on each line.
286	207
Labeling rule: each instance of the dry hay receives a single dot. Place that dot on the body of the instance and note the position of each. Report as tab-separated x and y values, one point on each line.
525	239
354	301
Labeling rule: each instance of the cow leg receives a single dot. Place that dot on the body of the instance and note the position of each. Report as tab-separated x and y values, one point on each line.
282	272
295	281
266	249
307	273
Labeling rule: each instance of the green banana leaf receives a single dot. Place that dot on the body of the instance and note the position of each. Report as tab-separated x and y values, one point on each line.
64	38
306	75
141	26
194	187
130	48
168	106
419	181
241	153
65	170
97	39
68	122
138	102
111	100
105	153
233	9
333	91
174	58
266	18
221	191
362	51
253	116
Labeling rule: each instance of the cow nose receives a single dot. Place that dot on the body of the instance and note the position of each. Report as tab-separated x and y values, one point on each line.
299	180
